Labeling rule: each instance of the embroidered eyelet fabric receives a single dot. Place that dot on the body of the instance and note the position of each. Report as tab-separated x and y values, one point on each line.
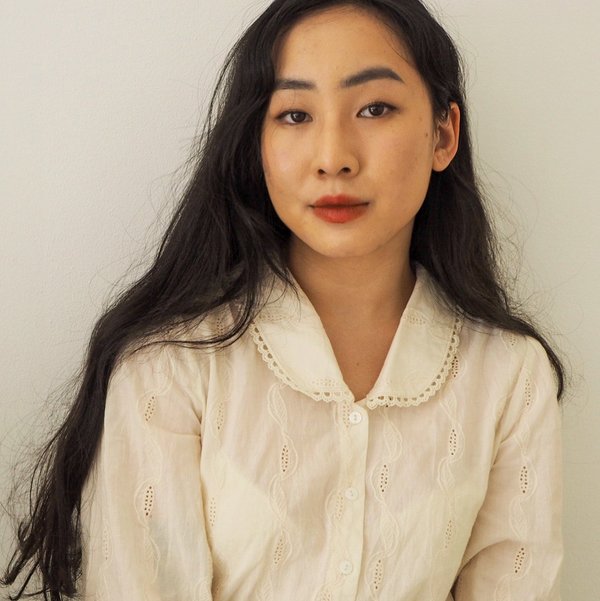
252	473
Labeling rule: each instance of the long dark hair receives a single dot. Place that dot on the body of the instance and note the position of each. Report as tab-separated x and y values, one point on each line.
225	237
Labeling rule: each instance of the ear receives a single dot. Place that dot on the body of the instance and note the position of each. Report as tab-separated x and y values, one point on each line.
447	135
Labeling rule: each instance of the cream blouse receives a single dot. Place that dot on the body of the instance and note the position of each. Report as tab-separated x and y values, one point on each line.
252	474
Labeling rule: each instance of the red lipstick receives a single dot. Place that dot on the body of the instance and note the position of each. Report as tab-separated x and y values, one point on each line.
339	209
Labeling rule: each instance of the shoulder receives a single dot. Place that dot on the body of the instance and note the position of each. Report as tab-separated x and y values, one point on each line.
176	348
167	374
504	348
495	355
158	385
509	378
513	368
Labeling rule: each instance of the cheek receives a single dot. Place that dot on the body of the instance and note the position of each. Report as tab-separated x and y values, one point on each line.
278	166
279	162
410	156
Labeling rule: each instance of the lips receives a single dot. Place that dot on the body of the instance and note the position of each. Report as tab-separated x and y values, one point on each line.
341	200
340	208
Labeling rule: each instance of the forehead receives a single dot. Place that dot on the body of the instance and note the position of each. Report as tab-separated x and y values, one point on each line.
344	36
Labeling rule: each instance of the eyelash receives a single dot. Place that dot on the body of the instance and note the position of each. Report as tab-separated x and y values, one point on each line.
390	108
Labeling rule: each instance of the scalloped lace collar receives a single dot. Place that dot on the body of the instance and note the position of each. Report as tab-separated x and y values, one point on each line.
291	339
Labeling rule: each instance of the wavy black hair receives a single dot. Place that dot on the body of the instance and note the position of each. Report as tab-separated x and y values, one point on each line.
225	237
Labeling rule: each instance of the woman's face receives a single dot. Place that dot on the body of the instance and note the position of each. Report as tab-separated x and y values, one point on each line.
350	116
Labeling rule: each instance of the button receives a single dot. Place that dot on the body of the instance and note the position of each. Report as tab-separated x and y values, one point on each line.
351	493
355	417
346	567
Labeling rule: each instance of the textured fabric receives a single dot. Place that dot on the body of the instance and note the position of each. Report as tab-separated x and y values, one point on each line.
253	474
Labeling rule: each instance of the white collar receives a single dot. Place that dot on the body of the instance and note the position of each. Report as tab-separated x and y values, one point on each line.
291	339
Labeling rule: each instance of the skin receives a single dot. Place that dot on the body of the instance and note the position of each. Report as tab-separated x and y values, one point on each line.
378	141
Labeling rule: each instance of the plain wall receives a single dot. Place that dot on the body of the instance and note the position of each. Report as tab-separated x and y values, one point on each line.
100	102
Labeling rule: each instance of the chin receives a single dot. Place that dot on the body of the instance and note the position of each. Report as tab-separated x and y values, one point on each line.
341	251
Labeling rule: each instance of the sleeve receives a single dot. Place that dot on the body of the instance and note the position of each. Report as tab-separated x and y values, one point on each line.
515	550
142	512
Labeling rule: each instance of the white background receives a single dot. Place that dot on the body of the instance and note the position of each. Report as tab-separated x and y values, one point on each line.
100	102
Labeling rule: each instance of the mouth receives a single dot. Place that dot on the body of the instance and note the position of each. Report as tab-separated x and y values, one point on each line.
341	201
339	213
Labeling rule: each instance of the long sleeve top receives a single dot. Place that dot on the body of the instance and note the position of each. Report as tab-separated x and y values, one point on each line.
252	473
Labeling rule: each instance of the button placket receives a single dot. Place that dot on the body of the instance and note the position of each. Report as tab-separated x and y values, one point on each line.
351	493
346	567
356	439
355	417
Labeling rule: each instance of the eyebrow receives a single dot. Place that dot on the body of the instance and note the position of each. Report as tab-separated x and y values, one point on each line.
369	74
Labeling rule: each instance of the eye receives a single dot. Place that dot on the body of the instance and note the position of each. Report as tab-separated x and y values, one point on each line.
296	117
377	109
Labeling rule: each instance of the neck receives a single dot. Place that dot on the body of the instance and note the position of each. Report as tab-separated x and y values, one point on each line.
361	290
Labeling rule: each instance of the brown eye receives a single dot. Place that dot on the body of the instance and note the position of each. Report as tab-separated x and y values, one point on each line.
377	109
295	117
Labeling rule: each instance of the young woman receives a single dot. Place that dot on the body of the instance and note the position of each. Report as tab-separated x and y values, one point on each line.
319	390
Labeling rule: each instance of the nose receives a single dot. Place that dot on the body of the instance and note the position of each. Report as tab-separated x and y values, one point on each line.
335	151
